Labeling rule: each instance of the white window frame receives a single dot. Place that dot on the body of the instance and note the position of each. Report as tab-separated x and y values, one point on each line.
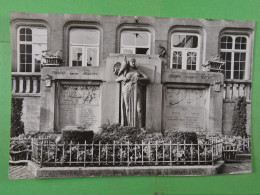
233	51
186	50
84	48
133	48
28	43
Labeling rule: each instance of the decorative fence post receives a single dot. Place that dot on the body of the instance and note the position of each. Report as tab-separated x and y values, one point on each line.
128	151
70	150
156	153
142	152
191	152
85	148
170	152
99	153
41	153
114	153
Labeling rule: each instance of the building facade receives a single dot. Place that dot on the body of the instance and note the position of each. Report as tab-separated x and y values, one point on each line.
182	94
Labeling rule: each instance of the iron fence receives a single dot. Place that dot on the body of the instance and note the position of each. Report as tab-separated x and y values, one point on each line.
20	148
46	153
125	154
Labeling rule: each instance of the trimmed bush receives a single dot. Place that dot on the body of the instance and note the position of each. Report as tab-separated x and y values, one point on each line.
77	136
118	133
17	126
239	119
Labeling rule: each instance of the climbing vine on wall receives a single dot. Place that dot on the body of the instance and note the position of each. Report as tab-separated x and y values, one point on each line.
17	126
239	118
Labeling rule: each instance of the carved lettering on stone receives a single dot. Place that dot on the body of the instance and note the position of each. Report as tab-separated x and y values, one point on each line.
185	109
80	106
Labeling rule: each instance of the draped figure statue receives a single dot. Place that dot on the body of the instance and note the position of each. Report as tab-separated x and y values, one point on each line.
132	93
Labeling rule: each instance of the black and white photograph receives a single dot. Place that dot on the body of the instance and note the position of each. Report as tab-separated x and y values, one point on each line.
113	95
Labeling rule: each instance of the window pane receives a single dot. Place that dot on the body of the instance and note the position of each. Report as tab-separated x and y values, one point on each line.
39	31
76	56
242	65
28	48
240	43
236	57
228	65
22	67
28	31
39	48
177	60
28	68
22	58
185	41
76	53
22	37
236	74
236	66
142	39
22	31
141	50
191	41
92	57
191	60
39	35
28	37
242	75
178	40
127	51
40	39
228	74
128	38
22	48
226	42
28	58
84	36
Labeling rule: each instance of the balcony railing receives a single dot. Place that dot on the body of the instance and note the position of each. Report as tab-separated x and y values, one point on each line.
236	88
26	83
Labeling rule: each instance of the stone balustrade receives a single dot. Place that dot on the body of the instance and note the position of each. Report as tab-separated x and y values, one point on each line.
26	83
235	88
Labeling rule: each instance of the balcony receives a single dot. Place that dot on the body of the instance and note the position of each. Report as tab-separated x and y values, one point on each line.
235	88
26	84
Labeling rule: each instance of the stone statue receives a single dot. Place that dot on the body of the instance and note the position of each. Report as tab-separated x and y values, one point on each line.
132	92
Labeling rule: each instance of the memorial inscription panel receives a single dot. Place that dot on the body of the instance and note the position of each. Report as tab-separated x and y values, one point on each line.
185	109
79	106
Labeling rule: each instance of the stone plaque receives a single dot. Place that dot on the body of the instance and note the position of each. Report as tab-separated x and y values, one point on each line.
185	110
79	106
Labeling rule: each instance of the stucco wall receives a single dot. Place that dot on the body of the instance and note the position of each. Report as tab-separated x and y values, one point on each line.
31	114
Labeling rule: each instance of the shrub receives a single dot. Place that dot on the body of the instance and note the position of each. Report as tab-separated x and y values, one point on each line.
77	136
239	118
17	126
118	133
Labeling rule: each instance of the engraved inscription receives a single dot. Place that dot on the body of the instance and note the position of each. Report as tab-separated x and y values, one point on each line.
80	106
185	109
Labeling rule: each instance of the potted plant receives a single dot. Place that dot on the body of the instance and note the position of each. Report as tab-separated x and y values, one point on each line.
215	64
51	58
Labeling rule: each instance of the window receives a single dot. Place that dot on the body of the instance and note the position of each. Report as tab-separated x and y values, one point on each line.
84	47
185	51
31	42
135	42
234	51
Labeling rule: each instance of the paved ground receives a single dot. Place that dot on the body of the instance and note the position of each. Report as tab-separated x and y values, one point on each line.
21	172
237	167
